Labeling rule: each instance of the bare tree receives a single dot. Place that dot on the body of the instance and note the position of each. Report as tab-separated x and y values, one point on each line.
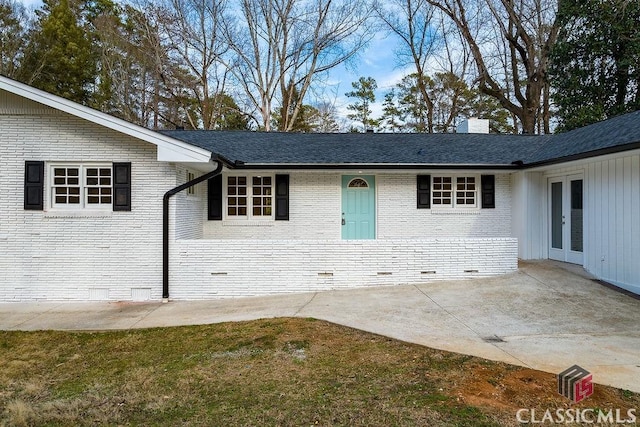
13	32
280	47
197	43
511	67
414	23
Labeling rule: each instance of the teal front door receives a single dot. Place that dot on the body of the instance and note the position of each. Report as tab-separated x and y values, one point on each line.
358	207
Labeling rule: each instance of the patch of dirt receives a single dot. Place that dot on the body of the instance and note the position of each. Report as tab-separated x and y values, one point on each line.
505	389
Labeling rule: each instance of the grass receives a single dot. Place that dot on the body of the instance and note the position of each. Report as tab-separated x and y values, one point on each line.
298	372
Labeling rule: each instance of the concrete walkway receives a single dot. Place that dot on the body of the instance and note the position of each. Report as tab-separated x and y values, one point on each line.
547	316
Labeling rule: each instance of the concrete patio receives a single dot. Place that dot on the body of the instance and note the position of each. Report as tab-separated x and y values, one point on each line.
546	316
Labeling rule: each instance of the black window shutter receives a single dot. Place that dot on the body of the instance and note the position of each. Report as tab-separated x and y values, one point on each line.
424	191
215	198
488	191
34	185
122	186
282	197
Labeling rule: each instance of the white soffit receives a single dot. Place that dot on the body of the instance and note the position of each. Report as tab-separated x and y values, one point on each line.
169	149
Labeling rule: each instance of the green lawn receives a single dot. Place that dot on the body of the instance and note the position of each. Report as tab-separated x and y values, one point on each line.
298	372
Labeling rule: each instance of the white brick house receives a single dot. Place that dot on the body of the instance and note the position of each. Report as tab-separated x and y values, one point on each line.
81	207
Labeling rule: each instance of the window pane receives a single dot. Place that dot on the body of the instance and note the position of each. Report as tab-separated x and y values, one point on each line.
105	199
556	215
105	181
73	181
267	211
105	172
92	172
92	181
242	180
242	211
74	199
73	172
93	200
257	211
576	216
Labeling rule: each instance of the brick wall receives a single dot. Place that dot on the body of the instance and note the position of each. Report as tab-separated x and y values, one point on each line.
315	213
72	256
220	268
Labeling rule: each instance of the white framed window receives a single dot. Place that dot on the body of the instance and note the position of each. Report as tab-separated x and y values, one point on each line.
249	197
454	192
81	186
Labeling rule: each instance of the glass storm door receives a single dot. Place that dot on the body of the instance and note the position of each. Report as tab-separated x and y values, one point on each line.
358	207
566	219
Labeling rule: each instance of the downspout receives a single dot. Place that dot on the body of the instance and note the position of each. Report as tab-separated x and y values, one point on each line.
165	222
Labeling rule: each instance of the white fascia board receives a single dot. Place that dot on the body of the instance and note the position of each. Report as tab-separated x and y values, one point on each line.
169	149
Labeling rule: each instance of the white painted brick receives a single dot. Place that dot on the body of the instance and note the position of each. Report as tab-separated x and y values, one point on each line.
61	257
118	256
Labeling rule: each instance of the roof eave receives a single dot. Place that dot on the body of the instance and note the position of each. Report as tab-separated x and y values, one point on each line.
585	155
169	149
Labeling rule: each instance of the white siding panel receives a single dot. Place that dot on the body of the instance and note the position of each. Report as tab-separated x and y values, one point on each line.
634	219
611	215
612	220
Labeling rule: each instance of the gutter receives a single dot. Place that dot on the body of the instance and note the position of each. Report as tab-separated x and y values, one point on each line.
371	166
165	221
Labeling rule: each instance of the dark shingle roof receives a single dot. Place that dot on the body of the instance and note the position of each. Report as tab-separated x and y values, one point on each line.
401	149
616	132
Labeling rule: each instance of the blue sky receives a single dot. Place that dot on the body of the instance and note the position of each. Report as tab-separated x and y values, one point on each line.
377	61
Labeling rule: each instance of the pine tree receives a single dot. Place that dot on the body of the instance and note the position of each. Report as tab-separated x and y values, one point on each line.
364	92
59	56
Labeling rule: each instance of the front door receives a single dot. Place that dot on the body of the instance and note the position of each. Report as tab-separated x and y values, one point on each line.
358	207
566	219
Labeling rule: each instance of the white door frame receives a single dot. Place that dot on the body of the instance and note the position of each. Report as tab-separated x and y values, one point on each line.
568	245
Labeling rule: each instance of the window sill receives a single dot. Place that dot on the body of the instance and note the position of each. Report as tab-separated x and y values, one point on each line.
452	211
56	213
248	223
